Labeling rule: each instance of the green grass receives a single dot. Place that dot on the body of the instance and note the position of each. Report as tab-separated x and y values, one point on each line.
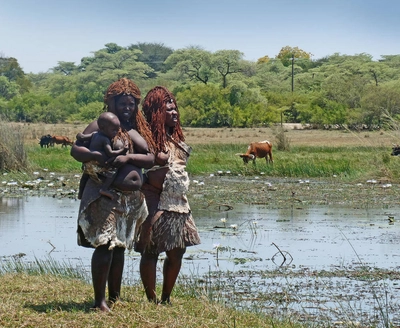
54	300
346	162
301	162
55	159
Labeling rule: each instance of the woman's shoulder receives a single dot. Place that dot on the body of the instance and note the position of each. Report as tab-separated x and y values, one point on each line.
135	135
92	127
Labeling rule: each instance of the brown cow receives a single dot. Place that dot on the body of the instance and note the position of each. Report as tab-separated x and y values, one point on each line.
258	150
61	140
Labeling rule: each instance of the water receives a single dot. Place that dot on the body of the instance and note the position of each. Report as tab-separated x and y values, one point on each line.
317	237
244	241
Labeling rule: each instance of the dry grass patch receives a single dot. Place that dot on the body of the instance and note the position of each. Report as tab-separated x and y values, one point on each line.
297	137
52	301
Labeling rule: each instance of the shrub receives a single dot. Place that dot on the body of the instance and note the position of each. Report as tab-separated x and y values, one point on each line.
282	142
12	151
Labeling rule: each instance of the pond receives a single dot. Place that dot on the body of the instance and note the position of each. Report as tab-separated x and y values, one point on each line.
311	263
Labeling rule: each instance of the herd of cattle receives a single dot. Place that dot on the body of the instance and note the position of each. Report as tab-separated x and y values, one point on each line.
49	141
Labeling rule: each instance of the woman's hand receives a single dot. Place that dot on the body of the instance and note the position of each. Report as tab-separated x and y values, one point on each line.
162	158
99	157
83	154
118	161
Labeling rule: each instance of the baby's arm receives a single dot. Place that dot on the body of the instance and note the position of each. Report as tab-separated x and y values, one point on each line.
110	152
84	137
80	150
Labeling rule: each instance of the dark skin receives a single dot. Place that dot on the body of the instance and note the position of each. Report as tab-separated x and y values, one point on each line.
173	260
102	141
107	265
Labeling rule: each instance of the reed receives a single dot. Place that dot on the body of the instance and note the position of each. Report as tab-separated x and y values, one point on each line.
42	266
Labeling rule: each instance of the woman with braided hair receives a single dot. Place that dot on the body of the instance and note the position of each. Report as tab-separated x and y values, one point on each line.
108	224
169	227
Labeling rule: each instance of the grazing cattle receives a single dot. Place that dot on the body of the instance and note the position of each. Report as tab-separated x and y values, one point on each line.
61	140
46	141
258	150
395	150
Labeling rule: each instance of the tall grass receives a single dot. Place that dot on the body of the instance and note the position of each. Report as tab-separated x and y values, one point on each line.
42	266
55	159
12	151
222	159
300	161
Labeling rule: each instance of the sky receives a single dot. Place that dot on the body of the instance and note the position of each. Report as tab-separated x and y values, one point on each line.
41	33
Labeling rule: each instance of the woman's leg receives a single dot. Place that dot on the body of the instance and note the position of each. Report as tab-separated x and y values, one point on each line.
115	274
172	266
148	267
101	263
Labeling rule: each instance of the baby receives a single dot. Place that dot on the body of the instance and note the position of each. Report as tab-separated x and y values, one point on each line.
102	140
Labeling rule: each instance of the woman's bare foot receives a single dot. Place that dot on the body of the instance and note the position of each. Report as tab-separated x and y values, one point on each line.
103	307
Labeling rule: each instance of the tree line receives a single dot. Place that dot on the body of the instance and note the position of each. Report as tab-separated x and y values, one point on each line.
213	89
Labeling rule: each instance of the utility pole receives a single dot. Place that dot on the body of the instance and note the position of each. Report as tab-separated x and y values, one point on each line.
292	72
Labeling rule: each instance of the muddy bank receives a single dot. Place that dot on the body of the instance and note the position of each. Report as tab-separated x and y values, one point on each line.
287	192
225	189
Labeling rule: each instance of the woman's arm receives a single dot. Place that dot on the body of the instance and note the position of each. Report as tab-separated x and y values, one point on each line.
80	150
145	161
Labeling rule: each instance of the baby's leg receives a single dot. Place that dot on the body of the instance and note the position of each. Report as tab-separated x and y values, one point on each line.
105	189
128	178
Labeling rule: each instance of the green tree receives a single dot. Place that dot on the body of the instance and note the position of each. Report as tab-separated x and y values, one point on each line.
233	106
123	63
263	60
8	89
9	67
66	68
380	104
24	108
153	54
227	62
287	54
87	113
192	62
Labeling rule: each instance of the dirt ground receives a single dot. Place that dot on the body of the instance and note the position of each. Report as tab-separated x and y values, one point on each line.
296	136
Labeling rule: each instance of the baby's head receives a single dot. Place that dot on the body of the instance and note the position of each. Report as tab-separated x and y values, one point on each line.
108	124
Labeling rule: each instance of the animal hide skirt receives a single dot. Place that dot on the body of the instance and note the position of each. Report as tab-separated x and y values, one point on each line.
103	221
172	230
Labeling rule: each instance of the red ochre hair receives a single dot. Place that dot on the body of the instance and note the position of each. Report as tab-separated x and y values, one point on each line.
125	86
154	108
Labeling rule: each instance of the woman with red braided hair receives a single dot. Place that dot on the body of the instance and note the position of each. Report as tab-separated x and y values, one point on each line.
108	224
169	227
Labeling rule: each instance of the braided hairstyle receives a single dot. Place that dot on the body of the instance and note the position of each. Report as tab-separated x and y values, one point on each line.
155	108
126	87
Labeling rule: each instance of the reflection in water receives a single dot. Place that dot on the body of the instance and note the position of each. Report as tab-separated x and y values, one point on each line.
316	237
244	239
